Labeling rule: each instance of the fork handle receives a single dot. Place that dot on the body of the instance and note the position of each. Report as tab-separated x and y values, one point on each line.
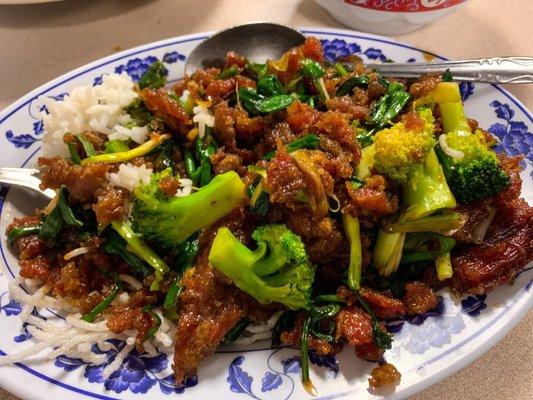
490	70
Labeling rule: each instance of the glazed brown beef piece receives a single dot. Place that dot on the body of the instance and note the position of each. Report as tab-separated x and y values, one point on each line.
508	244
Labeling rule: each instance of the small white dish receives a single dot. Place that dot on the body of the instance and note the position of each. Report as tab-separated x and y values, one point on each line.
389	17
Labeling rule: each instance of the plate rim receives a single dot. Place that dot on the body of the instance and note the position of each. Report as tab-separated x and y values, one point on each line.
460	363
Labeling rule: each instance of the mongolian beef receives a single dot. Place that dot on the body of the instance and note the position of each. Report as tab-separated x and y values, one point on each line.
310	199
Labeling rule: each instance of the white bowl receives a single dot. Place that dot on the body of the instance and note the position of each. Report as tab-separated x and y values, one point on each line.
389	16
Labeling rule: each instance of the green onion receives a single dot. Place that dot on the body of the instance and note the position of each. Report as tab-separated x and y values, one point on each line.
171	299
66	211
138	247
87	146
114	244
311	69
21	231
100	307
138	151
235	332
350	83
382	338
304	357
444	267
115	146
447	76
310	141
341	71
156	322
74	156
228	73
328	298
274	103
154	77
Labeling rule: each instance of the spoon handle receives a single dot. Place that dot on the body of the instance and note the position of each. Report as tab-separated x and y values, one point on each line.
24	177
490	70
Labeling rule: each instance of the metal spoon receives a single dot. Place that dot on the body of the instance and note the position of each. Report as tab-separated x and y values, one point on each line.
264	41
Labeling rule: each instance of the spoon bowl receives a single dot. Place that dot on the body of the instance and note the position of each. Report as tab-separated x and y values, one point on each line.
259	42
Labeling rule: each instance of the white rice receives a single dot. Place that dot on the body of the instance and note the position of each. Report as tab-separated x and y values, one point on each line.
130	176
203	118
91	108
75	337
186	187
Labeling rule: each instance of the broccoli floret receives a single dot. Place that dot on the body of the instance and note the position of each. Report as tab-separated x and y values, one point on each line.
408	157
278	270
470	166
170	221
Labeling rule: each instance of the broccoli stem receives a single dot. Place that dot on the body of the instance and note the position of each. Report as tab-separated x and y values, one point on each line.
351	227
122	156
443	224
443	265
426	190
425	246
362	171
388	252
138	247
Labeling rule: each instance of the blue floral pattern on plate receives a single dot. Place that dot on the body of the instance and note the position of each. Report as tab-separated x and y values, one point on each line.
137	373
513	136
338	49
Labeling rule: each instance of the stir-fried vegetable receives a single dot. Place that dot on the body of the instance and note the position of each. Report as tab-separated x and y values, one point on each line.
198	166
60	216
349	84
170	221
100	307
228	72
309	141
256	103
21	231
277	271
154	77
471	168
138	247
425	246
116	245
389	105
122	156
351	227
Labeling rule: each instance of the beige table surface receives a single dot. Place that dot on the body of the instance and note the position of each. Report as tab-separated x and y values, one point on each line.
40	42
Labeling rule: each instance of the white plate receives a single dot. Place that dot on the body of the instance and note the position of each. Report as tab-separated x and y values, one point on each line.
425	350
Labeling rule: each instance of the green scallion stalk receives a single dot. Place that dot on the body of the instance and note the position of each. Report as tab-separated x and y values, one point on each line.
100	307
122	156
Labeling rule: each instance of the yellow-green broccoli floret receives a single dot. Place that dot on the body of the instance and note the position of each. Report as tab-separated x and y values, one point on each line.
408	157
399	151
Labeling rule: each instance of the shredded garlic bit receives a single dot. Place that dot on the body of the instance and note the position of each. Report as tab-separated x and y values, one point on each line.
448	150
